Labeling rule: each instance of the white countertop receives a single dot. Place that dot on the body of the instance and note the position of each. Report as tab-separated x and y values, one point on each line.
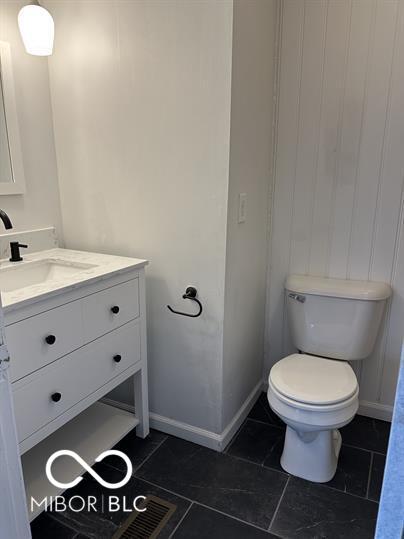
103	266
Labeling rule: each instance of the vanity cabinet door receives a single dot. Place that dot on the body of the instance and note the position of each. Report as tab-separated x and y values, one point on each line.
48	393
111	308
43	338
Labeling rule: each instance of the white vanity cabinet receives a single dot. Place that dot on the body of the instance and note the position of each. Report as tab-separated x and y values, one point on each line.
68	350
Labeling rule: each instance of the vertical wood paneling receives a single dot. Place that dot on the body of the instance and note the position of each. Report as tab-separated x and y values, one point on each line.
389	236
352	118
374	127
309	118
389	372
340	164
311	89
336	53
288	109
386	216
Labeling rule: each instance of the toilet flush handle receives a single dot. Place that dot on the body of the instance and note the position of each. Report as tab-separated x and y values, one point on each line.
297	297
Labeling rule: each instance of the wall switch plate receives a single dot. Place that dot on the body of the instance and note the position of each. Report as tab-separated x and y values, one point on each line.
242	207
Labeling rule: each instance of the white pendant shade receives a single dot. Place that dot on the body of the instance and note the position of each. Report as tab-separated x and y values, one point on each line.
37	30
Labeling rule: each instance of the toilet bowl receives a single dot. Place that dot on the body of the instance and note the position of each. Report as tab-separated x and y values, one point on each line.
314	397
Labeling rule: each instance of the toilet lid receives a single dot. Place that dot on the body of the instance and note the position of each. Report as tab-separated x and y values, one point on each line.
313	380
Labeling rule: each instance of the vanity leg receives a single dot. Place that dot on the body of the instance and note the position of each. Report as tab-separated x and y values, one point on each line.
141	403
140	377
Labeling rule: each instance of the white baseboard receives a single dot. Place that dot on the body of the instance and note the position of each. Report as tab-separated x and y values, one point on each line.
209	439
185	431
239	417
376	410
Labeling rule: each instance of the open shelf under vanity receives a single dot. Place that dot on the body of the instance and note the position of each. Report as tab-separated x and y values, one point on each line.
95	430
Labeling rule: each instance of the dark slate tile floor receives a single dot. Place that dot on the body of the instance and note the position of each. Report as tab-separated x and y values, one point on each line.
216	526
367	433
260	443
235	487
136	449
242	493
310	510
376	478
46	527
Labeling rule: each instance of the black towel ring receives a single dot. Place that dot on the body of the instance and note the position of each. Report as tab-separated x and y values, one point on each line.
190	293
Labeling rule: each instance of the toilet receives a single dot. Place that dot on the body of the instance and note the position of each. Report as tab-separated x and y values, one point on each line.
315	392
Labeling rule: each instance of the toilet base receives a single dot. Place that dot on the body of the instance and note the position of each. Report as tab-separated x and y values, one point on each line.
311	455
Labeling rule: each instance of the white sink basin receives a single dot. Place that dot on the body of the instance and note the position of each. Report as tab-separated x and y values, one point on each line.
26	274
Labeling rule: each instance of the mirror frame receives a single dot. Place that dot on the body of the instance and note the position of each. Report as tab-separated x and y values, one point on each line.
17	187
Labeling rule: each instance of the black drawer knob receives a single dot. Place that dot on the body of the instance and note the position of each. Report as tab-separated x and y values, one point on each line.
50	339
56	396
117	358
115	309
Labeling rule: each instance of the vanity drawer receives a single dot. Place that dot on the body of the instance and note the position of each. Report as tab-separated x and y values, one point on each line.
45	395
41	339
111	308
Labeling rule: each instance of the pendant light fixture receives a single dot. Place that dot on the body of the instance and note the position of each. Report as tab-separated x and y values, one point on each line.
37	29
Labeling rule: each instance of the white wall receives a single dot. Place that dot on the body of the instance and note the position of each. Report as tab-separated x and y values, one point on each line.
338	198
254	24
6	172
39	206
141	102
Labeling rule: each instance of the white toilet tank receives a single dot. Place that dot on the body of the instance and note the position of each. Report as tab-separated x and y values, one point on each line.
335	318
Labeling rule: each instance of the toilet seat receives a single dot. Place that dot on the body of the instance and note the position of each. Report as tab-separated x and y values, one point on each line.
303	406
312	382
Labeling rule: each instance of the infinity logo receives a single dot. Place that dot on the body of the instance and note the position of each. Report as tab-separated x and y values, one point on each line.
83	463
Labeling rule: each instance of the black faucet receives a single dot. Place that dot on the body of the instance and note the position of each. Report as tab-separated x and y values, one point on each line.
15	251
14	245
6	220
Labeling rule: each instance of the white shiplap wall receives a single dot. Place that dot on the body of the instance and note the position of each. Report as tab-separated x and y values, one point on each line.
338	194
